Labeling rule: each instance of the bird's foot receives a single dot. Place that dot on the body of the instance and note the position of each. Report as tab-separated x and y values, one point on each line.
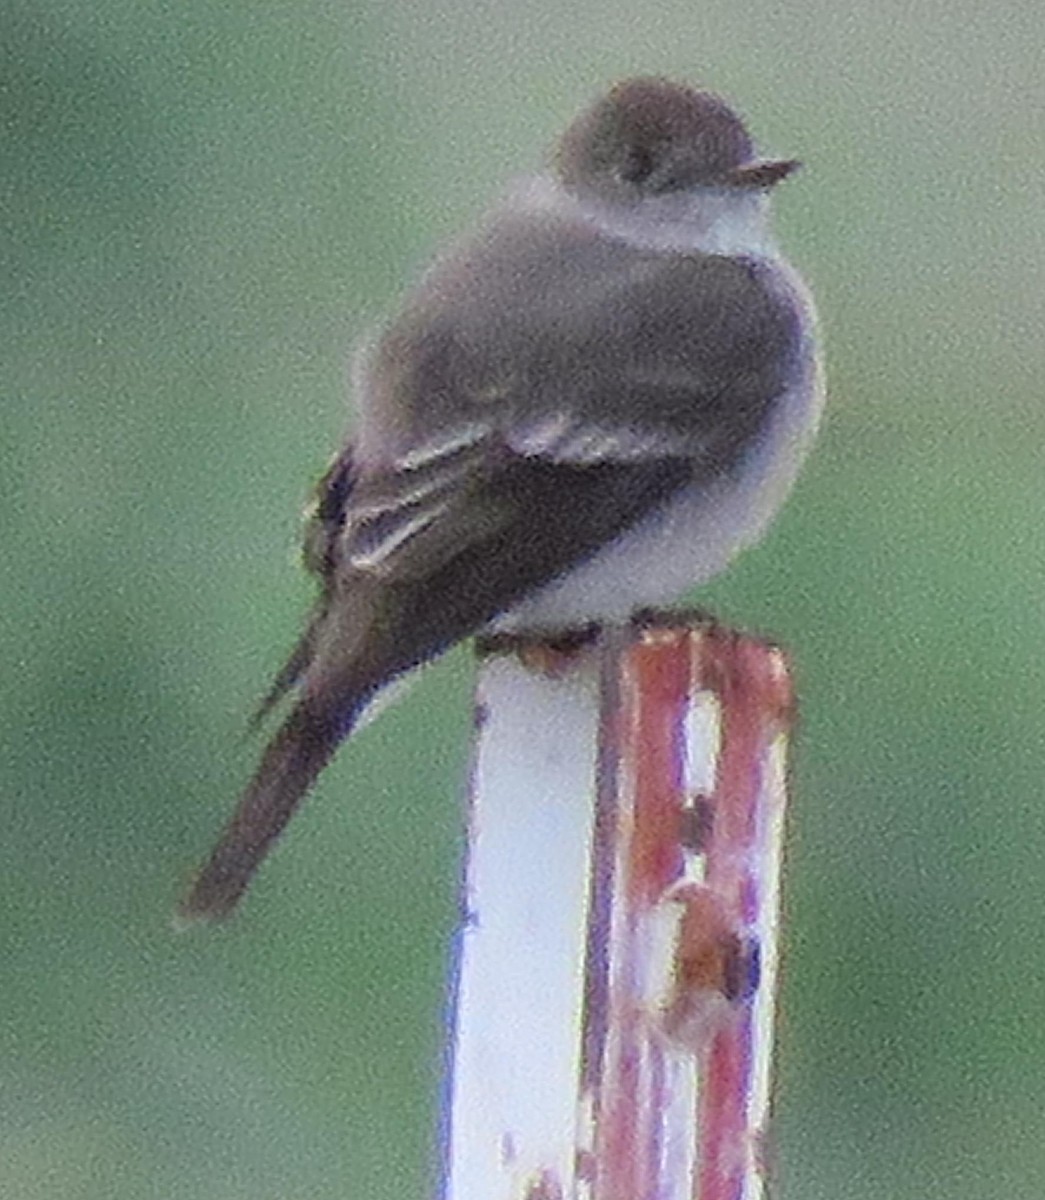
549	654
672	618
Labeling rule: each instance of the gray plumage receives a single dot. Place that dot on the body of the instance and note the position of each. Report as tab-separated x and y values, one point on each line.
556	382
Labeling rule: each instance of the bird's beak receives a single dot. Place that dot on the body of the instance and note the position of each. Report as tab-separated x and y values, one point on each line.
762	173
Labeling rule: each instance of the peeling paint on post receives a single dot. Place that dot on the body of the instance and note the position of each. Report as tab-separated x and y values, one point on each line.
617	962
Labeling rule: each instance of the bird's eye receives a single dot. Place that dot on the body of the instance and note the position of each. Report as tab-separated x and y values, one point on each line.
638	166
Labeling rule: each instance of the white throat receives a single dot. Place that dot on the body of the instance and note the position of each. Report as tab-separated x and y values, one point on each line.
713	220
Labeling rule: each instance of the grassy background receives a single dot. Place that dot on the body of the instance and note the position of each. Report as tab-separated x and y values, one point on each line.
203	206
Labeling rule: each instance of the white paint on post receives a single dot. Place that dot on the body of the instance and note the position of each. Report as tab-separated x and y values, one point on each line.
702	735
519	1006
770	853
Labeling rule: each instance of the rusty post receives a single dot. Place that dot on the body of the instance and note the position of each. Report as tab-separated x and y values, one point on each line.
617	962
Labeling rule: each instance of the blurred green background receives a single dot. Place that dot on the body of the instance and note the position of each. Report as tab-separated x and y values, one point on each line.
203	207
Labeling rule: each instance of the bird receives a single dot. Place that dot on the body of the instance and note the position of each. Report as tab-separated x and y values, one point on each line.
586	406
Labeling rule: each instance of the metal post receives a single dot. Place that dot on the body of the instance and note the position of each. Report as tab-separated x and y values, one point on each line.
616	967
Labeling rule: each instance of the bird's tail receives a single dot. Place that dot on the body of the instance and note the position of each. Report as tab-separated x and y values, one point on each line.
292	760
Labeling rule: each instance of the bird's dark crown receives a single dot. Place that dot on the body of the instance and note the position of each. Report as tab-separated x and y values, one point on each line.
650	137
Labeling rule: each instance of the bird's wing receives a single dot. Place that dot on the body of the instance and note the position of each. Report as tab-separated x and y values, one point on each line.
425	557
432	554
527	432
538	432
